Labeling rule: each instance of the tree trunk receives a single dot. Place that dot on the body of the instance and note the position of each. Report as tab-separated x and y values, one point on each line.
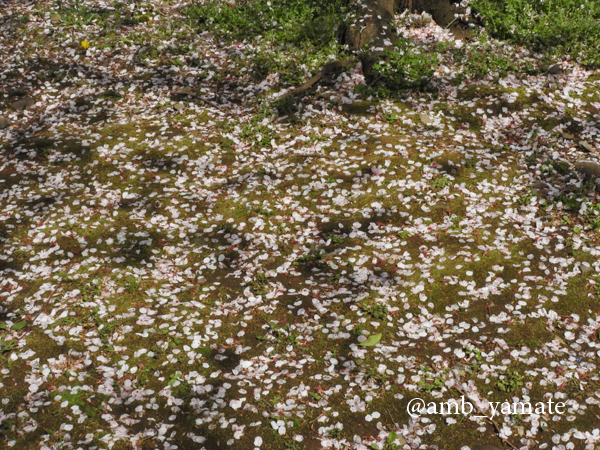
371	30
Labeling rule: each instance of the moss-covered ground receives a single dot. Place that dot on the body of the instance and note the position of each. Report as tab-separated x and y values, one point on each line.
191	260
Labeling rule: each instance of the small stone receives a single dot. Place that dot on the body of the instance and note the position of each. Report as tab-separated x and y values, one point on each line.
589	169
22	104
4	123
586	146
561	341
566	135
151	207
55	18
402	441
184	91
440	207
460	370
555	70
426	119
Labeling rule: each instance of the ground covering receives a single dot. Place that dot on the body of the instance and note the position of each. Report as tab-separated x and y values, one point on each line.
189	258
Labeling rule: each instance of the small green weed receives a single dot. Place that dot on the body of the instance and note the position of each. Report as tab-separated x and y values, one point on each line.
335	239
260	284
263	211
391	118
7	345
525	199
173	378
572	203
455	223
132	285
440	183
509	381
429	385
281	334
291	445
405	67
389	443
314	259
475	352
377	311
561	167
334	433
595	224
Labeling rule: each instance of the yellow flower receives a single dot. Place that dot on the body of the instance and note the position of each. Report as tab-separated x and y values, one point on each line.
85	45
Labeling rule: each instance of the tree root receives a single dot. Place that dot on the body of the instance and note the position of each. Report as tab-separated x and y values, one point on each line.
328	69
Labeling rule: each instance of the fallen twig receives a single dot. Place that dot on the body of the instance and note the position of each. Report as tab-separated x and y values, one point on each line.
482	414
326	70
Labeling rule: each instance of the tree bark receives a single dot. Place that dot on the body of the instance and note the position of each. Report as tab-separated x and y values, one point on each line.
371	30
